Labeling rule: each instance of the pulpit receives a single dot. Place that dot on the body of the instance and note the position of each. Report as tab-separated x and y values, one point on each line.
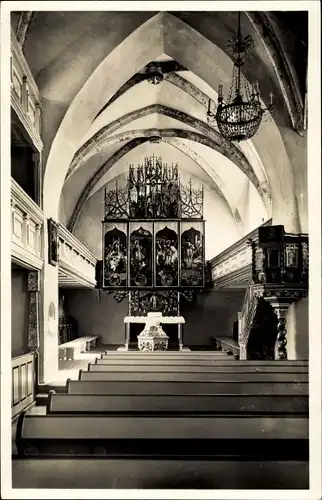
152	337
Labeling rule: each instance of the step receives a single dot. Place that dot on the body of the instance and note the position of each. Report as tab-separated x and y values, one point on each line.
192	404
189	376
105	473
192	387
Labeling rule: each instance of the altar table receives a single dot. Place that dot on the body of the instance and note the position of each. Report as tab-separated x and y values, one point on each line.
152	337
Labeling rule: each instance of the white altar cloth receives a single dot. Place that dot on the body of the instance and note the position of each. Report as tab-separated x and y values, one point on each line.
161	319
152	337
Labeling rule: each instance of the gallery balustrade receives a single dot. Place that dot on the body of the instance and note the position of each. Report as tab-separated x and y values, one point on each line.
77	264
26	226
25	97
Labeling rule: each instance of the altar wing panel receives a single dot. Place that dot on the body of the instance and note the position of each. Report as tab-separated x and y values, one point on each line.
115	245
141	254
192	247
166	244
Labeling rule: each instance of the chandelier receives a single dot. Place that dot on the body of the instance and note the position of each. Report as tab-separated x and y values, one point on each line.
154	73
239	117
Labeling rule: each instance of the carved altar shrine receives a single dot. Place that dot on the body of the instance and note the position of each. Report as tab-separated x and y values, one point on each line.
152	337
153	243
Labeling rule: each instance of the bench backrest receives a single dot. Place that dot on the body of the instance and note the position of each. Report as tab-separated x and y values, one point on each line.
189	376
130	358
176	403
191	387
168	427
204	368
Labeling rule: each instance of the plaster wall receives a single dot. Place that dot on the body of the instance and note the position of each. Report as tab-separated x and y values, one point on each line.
212	313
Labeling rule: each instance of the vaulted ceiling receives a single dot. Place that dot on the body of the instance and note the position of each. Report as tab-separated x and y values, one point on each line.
99	111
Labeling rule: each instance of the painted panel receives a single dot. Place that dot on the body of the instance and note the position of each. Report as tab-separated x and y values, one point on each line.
166	254
115	266
141	254
192	254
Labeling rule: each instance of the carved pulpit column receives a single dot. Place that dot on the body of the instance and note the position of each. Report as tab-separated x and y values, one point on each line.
281	339
33	312
242	351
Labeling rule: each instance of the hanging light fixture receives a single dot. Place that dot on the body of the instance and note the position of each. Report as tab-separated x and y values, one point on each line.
239	117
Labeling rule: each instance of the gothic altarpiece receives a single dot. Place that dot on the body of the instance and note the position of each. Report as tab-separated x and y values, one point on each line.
153	239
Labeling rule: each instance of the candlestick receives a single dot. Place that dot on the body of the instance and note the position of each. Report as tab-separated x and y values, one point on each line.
209	106
271	98
220	87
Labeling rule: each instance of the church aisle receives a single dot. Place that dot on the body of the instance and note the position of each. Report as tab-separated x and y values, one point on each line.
158	474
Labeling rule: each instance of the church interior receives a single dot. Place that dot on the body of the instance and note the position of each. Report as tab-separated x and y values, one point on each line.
159	250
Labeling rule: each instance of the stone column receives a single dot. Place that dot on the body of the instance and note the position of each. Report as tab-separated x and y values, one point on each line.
180	336
281	339
127	336
38	178
24	21
38	118
25	97
48	351
33	313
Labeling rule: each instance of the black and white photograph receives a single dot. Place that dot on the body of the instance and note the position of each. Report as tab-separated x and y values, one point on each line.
161	249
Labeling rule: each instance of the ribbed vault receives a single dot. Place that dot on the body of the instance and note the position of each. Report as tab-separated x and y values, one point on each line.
97	120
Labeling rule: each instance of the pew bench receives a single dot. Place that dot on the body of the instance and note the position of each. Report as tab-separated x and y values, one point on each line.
218	376
254	437
164	355
73	348
101	365
156	404
104	360
165	387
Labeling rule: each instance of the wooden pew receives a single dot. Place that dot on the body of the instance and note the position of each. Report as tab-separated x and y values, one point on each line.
252	438
74	347
190	376
187	358
161	353
129	387
188	362
156	404
171	355
101	365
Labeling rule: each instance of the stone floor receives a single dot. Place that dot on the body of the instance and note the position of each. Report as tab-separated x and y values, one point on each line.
157	474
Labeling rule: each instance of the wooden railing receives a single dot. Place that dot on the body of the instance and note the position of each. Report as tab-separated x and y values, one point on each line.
23	382
234	265
77	265
26	227
25	97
